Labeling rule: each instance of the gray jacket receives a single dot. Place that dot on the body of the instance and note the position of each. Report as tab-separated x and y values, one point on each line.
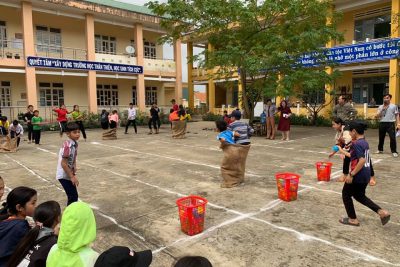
345	112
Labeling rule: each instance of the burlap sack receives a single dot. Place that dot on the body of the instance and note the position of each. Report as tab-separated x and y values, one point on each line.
178	129
110	134
8	145
233	164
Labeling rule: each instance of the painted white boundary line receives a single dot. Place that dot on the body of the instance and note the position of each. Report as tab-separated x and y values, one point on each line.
114	221
243	216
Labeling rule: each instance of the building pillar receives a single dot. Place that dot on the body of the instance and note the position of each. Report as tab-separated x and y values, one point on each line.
211	85
140	87
329	97
394	81
91	56
29	50
178	70
190	74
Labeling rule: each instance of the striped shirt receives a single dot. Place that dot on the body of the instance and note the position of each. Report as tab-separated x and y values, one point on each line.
243	129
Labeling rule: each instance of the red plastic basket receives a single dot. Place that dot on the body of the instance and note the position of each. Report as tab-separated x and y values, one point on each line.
287	183
324	171
192	211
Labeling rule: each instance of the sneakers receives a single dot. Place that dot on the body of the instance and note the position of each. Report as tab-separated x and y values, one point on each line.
379	152
395	155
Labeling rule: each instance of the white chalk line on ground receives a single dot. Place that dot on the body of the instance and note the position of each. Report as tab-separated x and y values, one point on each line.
242	216
60	189
245	216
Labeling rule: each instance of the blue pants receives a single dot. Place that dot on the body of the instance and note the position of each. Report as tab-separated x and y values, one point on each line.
70	190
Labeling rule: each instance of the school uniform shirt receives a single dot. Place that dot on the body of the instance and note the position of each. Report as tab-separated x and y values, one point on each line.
244	130
28	117
61	114
77	115
5	124
38	253
36	120
11	232
360	149
17	129
69	151
131	114
227	135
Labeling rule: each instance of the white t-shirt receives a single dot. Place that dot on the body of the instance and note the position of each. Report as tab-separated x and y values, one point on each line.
131	113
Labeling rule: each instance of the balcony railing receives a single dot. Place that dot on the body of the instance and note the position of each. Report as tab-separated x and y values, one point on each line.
55	51
11	49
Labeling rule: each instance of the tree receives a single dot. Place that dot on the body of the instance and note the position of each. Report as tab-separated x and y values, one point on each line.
263	40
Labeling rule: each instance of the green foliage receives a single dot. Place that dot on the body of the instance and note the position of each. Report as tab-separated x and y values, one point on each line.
261	39
211	117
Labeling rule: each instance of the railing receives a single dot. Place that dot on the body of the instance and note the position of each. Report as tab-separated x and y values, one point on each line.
55	51
12	49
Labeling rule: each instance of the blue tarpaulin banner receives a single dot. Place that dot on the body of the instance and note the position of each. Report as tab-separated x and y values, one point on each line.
371	51
45	62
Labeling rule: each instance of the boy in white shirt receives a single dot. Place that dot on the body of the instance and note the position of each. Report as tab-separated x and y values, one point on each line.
16	131
131	118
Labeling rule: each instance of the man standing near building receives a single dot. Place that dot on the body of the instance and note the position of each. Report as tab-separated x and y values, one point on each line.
344	110
388	114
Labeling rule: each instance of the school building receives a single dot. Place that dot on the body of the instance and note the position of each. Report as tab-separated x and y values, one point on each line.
96	54
368	59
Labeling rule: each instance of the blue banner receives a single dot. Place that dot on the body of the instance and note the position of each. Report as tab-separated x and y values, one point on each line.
371	51
82	65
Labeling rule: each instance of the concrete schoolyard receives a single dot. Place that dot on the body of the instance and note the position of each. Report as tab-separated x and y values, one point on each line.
132	184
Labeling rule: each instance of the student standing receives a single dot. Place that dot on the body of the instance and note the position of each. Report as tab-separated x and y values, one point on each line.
154	118
37	127
388	114
61	117
104	119
131	118
270	110
66	167
28	119
360	174
284	120
77	116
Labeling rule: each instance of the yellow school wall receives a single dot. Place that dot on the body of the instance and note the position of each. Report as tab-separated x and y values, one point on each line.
17	81
346	26
12	17
75	92
72	30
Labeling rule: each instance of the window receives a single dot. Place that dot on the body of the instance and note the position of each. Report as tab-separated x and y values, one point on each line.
51	94
107	95
3	34
5	94
48	39
105	44
151	95
315	97
364	89
373	28
134	96
150	50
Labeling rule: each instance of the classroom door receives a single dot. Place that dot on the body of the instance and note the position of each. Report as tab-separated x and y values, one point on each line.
377	93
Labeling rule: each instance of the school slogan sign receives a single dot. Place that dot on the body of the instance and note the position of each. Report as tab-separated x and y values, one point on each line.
371	51
82	65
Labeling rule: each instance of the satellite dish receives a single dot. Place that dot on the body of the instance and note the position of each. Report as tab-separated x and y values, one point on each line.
130	49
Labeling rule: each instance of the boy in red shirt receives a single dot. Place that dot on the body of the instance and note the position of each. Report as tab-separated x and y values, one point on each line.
61	117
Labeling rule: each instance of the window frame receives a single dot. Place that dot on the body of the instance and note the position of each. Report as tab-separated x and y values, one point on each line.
107	95
51	94
151	95
5	94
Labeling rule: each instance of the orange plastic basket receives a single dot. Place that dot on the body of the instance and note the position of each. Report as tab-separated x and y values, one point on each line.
287	184
192	211
324	171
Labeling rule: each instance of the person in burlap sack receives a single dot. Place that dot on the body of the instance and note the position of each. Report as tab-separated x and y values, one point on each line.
111	134
233	165
8	144
178	125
